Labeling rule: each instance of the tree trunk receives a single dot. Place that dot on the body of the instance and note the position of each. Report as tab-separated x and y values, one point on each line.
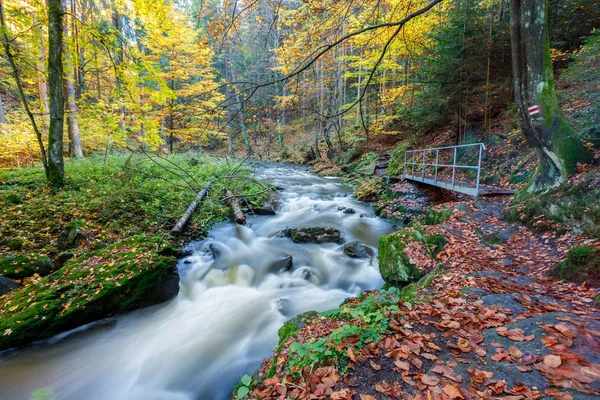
41	79
56	165
69	88
2	117
547	131
116	20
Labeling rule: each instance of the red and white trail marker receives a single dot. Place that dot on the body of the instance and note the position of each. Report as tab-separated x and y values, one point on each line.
534	110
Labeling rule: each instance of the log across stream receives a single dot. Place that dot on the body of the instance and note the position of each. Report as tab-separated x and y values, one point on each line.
237	289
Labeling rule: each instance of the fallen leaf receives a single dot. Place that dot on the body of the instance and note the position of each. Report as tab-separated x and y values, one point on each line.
552	360
429	380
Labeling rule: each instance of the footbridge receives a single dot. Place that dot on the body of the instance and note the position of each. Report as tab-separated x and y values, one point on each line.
456	168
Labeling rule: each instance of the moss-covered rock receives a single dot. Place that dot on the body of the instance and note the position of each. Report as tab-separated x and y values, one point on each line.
314	235
71	237
581	265
19	267
394	265
127	275
436	217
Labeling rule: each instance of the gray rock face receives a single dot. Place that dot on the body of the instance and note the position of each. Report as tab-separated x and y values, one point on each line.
282	265
358	250
70	238
6	285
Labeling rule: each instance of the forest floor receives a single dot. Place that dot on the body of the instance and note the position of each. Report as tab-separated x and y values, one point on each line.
486	321
102	244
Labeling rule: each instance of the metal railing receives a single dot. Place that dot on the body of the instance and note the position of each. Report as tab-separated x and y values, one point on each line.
418	160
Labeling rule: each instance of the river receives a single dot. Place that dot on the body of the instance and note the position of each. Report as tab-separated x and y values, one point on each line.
225	319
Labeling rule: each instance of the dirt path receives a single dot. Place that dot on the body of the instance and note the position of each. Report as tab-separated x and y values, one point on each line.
491	324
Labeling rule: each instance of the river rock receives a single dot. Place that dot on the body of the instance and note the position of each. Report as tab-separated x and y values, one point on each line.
349	211
282	265
125	276
313	235
19	267
356	249
268	207
214	251
70	238
6	285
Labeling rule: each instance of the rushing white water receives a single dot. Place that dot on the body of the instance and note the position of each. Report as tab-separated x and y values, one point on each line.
225	319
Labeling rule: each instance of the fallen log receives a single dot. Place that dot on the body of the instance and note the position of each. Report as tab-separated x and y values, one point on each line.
234	202
188	213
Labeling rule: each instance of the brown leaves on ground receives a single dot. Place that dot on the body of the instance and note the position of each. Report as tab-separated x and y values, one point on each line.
447	347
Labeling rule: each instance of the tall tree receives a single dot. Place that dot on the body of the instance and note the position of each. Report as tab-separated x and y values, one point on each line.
69	81
557	146
56	165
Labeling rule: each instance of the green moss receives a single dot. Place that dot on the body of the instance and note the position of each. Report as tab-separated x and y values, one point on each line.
396	164
122	277
434	244
288	330
394	265
435	217
19	267
581	265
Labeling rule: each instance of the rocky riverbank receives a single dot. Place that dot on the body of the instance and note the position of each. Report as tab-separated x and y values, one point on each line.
485	319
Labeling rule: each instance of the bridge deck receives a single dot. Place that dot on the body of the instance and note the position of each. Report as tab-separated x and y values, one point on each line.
459	186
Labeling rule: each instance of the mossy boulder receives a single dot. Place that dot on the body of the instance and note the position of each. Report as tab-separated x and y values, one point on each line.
581	265
127	275
394	265
436	217
314	235
71	237
19	267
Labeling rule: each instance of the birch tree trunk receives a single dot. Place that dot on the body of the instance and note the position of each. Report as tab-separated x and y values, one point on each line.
69	88
2	117
56	165
557	146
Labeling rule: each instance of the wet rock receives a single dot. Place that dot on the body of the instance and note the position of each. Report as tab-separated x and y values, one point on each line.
282	265
349	211
341	208
313	235
479	274
123	277
356	249
70	238
462	207
521	280
506	301
310	276
475	291
214	251
19	267
62	258
284	306
6	285
269	207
